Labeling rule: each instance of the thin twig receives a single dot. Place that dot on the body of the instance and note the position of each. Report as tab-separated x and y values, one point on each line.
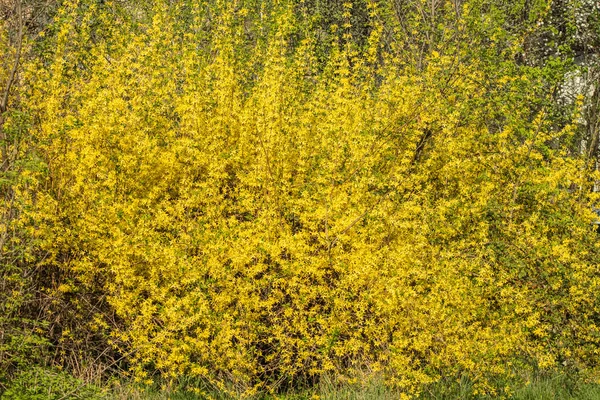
13	72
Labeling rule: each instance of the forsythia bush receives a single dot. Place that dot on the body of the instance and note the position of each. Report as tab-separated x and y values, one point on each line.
264	200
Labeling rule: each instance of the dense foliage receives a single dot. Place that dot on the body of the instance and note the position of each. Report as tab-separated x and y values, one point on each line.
261	192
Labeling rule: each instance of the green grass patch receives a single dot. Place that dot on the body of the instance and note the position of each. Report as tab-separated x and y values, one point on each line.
48	384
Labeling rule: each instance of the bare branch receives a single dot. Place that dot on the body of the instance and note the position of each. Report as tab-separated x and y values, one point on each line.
13	72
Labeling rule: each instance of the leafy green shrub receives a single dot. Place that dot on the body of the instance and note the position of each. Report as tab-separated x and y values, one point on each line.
39	383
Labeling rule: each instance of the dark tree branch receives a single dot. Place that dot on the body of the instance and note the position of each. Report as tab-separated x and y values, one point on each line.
13	72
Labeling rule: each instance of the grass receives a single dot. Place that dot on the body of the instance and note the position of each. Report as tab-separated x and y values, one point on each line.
553	387
558	386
